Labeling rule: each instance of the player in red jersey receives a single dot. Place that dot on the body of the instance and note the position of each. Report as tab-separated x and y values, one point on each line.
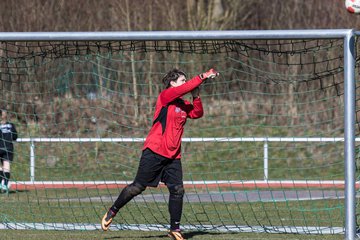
160	159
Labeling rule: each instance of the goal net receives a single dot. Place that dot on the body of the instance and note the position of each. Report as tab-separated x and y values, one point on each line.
268	155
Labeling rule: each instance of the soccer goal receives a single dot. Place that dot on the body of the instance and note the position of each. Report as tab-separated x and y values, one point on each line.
275	151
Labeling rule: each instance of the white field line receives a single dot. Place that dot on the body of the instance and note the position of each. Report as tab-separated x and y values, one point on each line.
205	182
159	227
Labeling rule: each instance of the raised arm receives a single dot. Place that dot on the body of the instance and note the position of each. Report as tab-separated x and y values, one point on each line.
172	93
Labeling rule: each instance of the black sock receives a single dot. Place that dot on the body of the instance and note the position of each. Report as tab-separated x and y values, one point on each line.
128	193
1	176
123	198
175	210
7	178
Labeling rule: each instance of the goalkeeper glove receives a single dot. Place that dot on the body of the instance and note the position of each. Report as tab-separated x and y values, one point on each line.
209	74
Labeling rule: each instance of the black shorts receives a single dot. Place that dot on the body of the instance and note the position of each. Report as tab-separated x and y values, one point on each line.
154	168
6	155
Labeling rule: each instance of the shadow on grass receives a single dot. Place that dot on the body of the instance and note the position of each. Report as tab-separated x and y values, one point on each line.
13	192
187	235
140	237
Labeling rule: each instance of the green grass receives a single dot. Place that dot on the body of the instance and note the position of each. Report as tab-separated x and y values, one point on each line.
84	206
79	235
201	161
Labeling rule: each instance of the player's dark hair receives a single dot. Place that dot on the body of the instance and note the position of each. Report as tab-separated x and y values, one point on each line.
172	75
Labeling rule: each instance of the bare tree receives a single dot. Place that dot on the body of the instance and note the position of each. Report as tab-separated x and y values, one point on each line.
214	14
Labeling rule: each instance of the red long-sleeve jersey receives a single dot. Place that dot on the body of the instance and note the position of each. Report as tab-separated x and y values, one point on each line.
171	113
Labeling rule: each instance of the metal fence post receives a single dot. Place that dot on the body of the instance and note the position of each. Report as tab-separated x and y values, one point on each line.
32	161
266	160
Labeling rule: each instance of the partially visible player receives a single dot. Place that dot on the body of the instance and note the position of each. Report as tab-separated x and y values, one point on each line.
160	159
8	134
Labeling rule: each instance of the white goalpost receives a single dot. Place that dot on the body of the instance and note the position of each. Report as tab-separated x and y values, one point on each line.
275	153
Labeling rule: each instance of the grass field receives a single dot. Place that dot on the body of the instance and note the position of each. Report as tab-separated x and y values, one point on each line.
88	206
202	161
79	235
84	206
